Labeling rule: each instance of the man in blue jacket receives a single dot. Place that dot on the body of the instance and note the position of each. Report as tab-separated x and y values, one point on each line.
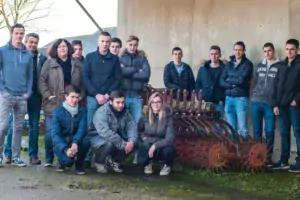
236	80
16	66
69	127
33	106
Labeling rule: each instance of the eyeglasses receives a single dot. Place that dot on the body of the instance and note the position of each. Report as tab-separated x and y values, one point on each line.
156	103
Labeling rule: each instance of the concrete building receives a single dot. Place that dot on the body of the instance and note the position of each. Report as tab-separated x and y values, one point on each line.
195	25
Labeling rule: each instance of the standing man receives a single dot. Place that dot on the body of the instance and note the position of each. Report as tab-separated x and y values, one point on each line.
78	49
289	107
115	46
179	75
208	80
236	80
16	65
101	75
265	99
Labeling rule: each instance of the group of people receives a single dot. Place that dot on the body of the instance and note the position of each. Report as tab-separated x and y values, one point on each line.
94	110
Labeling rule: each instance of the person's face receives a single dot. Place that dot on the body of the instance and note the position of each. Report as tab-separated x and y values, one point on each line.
77	51
238	51
72	99
115	48
132	46
17	35
291	51
177	56
104	43
62	50
156	104
118	104
269	53
214	55
32	43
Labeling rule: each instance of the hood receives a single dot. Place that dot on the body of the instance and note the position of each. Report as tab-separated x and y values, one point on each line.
23	47
264	62
107	109
139	53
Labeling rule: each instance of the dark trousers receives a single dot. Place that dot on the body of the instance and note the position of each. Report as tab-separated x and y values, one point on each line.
167	153
64	160
108	149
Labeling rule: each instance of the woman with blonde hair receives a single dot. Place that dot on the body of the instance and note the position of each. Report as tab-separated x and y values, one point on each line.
157	134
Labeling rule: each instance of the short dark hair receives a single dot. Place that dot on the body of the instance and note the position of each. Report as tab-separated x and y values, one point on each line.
52	52
116	94
35	35
176	49
132	37
269	44
17	25
105	33
72	88
293	42
115	39
76	42
240	43
215	47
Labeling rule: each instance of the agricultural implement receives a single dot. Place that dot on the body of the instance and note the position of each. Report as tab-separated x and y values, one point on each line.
205	140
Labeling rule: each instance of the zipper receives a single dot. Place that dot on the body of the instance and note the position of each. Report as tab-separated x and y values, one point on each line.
72	128
267	73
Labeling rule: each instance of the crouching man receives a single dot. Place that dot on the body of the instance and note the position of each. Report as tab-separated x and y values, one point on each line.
69	127
113	135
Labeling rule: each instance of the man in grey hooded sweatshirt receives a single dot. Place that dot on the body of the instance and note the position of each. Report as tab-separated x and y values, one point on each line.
16	77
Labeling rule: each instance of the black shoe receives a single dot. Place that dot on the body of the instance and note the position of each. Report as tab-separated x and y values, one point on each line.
60	168
87	164
79	171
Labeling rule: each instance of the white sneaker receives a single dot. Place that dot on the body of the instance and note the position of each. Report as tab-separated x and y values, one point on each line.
114	166
148	169
101	168
166	170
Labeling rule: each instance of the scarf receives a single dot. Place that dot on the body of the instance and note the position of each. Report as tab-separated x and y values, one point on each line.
72	110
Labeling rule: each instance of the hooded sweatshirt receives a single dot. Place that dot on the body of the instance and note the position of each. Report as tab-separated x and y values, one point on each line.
16	70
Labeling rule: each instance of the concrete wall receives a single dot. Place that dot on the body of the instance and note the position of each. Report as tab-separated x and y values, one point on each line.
195	25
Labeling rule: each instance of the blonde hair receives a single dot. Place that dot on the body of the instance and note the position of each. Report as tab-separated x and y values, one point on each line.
162	113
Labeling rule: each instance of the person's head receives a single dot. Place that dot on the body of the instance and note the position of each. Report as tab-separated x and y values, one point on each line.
177	54
17	32
239	49
104	41
32	41
269	51
156	105
215	53
61	48
117	100
132	44
291	48
115	46
77	47
72	95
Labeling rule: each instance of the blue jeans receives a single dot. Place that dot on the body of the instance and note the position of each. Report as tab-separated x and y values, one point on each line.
289	116
63	159
134	104
34	109
263	112
48	141
92	106
236	113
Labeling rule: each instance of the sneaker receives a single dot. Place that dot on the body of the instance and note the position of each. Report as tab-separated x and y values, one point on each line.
101	168
35	161
60	168
280	165
1	165
166	170
7	160
47	164
148	169
79	171
18	162
114	166
295	168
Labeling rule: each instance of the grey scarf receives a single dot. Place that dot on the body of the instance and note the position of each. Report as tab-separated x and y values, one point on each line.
72	110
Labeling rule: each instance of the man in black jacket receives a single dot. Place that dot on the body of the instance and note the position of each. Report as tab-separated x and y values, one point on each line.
178	75
101	75
265	96
236	79
208	80
289	107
